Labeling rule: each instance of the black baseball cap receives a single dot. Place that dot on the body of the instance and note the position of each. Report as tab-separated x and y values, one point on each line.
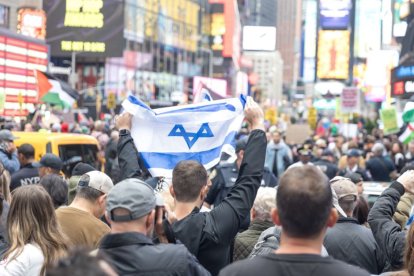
49	160
82	168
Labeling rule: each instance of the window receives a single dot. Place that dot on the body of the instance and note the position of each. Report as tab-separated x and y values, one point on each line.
73	154
4	16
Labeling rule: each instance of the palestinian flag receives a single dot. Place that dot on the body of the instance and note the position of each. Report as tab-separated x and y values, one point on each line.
54	91
408	117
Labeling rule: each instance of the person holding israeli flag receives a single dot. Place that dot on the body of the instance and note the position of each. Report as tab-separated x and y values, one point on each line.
205	128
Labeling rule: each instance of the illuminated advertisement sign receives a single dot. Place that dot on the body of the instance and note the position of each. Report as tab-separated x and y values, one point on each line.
19	58
335	14
88	27
173	22
31	22
259	38
230	38
333	55
402	81
378	77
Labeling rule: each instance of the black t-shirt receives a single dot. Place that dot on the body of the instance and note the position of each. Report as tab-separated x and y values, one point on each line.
292	265
27	175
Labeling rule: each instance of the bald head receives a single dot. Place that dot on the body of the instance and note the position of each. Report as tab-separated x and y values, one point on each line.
304	202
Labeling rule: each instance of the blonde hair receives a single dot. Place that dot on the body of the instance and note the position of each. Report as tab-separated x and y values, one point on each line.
32	219
5	180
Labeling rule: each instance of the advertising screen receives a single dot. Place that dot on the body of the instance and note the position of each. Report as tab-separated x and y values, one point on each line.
333	55
32	22
88	27
335	14
172	22
19	58
402	81
259	38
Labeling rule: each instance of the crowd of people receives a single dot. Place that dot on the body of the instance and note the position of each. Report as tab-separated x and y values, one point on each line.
269	209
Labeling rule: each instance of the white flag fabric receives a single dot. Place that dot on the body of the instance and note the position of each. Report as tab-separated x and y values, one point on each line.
198	132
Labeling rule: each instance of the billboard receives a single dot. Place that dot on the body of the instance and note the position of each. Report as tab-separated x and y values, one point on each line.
335	14
377	79
173	23
257	38
229	16
333	55
31	22
19	58
402	81
88	27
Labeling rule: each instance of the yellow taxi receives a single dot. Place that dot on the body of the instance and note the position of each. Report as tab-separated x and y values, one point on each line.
71	148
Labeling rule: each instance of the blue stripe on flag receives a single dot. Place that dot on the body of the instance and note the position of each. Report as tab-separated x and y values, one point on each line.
136	101
243	100
206	108
169	160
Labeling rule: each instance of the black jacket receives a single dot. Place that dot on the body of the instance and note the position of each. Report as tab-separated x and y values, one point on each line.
130	163
209	235
328	168
27	175
226	176
388	233
135	254
354	244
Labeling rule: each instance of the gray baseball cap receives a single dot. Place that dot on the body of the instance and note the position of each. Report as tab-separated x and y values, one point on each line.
133	195
6	135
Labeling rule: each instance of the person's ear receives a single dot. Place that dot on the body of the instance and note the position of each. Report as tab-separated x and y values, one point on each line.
149	223
108	218
102	200
203	192
172	191
275	216
252	214
333	217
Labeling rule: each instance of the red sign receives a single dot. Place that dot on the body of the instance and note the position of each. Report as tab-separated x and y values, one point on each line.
398	88
18	61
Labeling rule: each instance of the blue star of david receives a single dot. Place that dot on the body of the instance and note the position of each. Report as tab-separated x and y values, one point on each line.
191	137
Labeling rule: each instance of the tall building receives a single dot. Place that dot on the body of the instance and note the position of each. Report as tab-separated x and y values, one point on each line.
268	66
289	20
260	13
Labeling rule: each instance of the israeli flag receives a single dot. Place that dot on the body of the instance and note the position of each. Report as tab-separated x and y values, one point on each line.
198	132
